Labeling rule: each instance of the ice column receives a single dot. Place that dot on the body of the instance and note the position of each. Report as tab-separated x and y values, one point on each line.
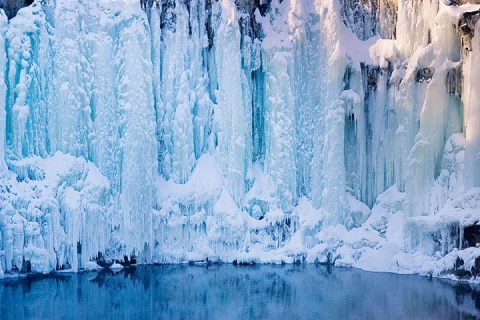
280	126
154	16
201	75
30	78
423	161
3	93
438	119
69	114
100	49
415	21
177	96
137	133
231	116
328	160
23	40
472	112
308	62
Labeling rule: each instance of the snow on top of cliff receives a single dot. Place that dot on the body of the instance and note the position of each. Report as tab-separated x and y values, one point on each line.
383	51
359	50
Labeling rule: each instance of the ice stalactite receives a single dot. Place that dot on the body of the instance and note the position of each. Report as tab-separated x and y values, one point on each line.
306	43
154	17
423	161
183	101
24	69
471	98
231	115
414	26
328	162
280	133
106	118
3	91
70	95
203	75
280	128
178	98
137	135
440	114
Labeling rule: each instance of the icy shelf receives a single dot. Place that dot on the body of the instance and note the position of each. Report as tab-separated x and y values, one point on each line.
250	131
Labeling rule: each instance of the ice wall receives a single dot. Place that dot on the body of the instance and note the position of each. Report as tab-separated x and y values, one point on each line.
79	81
237	130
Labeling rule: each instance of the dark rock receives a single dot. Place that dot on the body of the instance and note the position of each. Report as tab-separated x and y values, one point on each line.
459	2
129	261
243	263
471	235
102	261
146	4
13	270
475	270
458	263
370	77
26	266
330	258
65	266
249	6
466	28
425	74
11	7
462	274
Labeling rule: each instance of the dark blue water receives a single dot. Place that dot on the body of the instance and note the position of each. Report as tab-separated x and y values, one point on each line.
229	292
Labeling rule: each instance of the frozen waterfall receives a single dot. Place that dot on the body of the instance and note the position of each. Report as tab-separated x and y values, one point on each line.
337	131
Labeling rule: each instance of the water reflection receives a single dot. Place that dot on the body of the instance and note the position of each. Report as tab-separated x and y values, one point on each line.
228	292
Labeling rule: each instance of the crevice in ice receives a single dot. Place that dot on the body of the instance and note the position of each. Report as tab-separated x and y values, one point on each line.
454	81
471	236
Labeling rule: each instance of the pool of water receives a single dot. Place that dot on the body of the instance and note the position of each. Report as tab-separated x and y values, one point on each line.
229	292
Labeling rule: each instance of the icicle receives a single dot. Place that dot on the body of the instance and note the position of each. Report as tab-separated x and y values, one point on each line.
3	93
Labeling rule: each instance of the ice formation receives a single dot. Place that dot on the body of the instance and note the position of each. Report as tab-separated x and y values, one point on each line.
336	131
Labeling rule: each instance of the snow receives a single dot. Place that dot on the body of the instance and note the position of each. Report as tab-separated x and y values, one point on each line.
116	266
180	134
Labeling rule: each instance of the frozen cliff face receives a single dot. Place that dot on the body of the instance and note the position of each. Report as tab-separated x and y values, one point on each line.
79	81
274	131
